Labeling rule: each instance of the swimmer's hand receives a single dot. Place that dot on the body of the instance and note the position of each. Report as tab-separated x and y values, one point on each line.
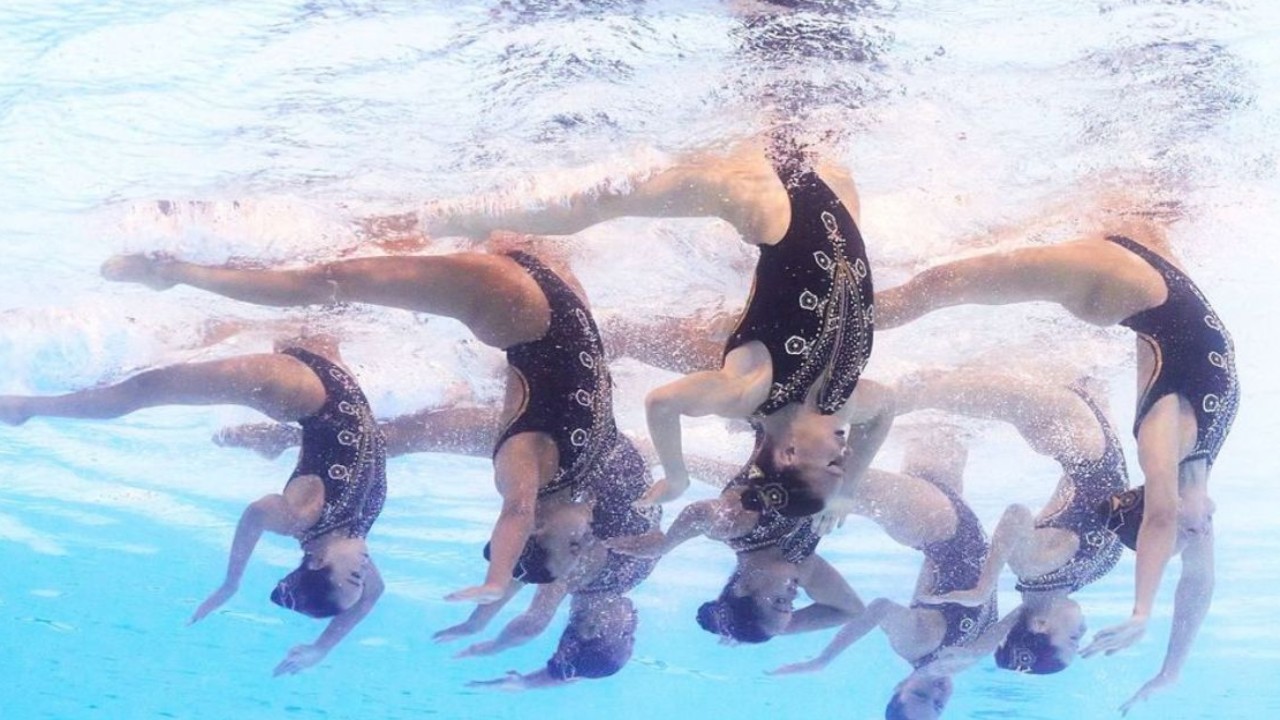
487	593
267	439
807	666
649	545
150	269
833	515
1159	682
214	601
480	649
462	629
511	681
974	597
663	491
1118	637
299	658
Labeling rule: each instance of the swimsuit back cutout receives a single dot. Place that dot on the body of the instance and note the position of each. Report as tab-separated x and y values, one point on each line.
342	445
957	565
811	301
1195	357
1091	484
568	391
794	537
622	479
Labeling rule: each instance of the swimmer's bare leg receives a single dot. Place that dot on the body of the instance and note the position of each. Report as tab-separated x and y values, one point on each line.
276	385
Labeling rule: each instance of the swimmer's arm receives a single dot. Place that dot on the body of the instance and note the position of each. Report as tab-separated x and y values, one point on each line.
873	412
834	601
462	431
515	681
697	395
678	192
480	617
879	612
517	480
302	657
711	471
1191	601
271	512
694	520
527	625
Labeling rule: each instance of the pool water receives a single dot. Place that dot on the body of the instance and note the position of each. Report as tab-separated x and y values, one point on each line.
285	121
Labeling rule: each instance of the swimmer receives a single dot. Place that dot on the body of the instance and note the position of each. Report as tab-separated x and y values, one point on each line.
558	433
776	557
1188	394
1068	544
794	360
921	507
331	500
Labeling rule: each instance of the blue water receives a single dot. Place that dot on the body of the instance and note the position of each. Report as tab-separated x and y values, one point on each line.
955	118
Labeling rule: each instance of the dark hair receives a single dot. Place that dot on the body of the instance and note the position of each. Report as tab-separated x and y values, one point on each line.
734	616
895	710
600	657
780	490
1028	651
532	565
307	591
1123	512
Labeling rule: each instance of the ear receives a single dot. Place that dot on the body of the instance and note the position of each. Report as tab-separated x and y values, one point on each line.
1038	624
785	456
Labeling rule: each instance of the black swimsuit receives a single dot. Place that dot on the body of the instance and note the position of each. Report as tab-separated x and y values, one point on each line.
568	392
811	299
624	480
957	565
794	537
342	445
1092	483
1195	357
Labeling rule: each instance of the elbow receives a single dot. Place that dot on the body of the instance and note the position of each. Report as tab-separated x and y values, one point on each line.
660	404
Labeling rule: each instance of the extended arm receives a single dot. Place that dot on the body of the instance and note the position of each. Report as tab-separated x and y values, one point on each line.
302	657
273	513
834	601
1190	605
879	611
480	616
527	625
515	681
694	520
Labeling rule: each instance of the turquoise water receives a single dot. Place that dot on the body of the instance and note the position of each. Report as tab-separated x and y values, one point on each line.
289	120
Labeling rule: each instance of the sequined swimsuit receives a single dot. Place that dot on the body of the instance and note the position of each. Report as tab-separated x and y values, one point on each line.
794	537
811	299
624	480
1195	357
957	565
1091	484
342	445
568	391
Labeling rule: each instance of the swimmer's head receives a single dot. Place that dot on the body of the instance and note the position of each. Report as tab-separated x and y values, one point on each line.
326	583
755	605
806	461
555	547
920	697
1043	642
598	640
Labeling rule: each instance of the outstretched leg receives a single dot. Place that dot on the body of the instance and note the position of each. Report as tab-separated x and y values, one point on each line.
276	385
490	294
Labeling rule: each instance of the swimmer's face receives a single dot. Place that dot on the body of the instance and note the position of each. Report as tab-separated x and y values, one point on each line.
1064	623
565	534
816	448
773	588
924	697
348	564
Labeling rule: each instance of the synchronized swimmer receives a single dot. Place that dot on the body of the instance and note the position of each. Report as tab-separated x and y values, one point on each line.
581	514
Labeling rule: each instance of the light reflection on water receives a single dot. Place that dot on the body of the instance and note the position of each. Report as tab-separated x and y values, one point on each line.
955	118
